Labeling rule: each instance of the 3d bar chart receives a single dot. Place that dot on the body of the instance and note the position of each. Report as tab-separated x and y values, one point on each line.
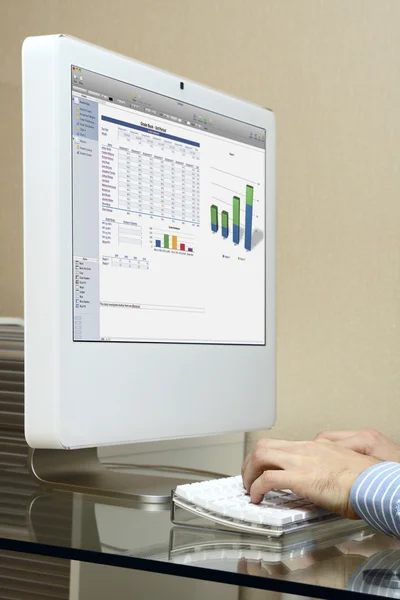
225	218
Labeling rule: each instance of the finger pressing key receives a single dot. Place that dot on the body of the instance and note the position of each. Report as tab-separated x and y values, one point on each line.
273	458
270	480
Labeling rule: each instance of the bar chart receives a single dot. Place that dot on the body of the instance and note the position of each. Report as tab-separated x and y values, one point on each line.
179	242
224	217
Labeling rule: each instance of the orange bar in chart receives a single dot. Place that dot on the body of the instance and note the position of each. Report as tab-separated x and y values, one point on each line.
175	242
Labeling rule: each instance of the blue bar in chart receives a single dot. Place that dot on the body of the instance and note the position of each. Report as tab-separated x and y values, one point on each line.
249	217
158	243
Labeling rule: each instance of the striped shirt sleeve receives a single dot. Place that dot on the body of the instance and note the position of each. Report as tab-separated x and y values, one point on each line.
375	496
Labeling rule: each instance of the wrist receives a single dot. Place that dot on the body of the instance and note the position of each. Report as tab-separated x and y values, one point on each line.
347	480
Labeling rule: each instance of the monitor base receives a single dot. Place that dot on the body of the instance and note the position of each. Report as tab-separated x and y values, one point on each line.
81	471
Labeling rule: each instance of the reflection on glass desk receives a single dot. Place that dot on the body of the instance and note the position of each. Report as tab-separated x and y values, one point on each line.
141	537
354	561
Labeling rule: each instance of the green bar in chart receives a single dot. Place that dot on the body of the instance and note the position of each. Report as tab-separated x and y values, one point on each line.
249	194
236	219
214	218
166	240
225	223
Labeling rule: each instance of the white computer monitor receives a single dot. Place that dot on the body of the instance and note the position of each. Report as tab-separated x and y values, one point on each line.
149	232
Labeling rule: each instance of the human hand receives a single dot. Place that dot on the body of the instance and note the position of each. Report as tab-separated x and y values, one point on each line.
322	471
369	442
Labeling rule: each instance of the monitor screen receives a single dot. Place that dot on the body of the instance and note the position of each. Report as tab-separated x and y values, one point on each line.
168	219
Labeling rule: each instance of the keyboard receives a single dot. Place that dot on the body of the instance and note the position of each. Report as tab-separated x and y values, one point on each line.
226	503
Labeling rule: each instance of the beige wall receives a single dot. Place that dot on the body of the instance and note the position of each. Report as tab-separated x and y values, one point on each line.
330	70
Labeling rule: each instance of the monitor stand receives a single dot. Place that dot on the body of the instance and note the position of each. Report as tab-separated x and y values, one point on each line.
82	471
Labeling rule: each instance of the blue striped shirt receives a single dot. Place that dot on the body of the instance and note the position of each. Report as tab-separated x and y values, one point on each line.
375	496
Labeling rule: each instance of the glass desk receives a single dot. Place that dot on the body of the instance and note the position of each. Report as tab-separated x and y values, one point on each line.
78	527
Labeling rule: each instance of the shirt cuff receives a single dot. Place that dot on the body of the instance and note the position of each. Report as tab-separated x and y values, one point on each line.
375	496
